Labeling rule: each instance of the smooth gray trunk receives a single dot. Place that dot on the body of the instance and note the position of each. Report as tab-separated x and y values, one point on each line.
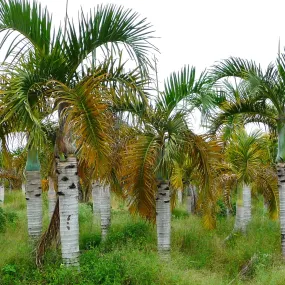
96	190
163	219
2	194
243	208
191	199
51	197
105	210
179	196
68	211
34	203
239	221
281	187
24	188
247	204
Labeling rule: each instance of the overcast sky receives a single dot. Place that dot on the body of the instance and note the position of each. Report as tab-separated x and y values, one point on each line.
200	32
203	31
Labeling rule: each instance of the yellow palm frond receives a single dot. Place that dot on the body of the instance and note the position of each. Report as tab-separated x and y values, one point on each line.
266	184
89	121
138	177
176	179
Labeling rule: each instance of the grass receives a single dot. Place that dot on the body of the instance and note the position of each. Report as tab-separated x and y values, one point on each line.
129	256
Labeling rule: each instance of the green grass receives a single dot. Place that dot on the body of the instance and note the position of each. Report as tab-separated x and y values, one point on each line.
129	256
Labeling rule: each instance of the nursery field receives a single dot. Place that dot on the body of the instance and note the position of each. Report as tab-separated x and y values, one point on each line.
129	254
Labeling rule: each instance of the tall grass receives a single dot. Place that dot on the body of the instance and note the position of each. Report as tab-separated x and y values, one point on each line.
129	256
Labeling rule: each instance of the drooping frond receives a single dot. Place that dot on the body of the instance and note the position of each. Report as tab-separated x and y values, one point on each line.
24	101
87	117
244	111
137	174
234	67
266	184
176	178
30	21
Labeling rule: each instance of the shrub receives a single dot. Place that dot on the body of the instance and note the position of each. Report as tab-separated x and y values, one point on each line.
137	234
2	220
6	217
179	213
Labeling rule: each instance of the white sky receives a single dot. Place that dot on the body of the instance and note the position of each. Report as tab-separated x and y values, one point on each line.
200	32
203	31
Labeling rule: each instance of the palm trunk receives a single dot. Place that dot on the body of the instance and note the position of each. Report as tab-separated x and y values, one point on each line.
189	201
281	186
96	190
163	219
105	210
2	194
281	177
51	197
247	204
179	196
68	211
24	188
240	220
191	198
34	203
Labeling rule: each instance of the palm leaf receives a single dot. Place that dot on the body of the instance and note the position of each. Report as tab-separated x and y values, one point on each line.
139	161
108	25
29	20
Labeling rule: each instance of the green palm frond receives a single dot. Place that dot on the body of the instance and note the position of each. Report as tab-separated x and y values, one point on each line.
247	153
185	89
234	67
107	27
30	21
245	111
24	102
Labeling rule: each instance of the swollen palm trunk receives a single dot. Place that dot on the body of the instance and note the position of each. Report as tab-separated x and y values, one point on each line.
96	190
34	203
2	194
189	203
179	196
281	186
68	211
191	196
163	218
247	204
24	188
51	197
239	221
105	210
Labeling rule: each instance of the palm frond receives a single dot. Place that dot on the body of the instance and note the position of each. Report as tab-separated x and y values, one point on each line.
266	184
138	177
184	89
31	21
234	66
109	24
87	117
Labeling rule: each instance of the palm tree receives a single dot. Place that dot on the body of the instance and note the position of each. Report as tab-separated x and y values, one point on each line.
247	155
62	57
264	103
162	138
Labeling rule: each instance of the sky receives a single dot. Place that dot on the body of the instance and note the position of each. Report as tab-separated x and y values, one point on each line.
200	32
203	31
